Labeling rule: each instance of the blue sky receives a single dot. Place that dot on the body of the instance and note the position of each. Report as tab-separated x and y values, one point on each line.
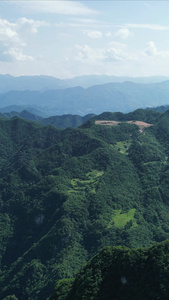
72	38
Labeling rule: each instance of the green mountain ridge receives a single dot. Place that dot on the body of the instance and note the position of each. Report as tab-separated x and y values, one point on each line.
120	273
66	194
62	122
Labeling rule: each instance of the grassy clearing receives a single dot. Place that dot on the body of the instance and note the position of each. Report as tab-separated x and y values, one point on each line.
95	174
89	183
120	220
122	147
152	163
165	162
157	162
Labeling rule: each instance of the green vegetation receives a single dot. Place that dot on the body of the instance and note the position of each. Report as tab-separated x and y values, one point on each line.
120	220
67	194
122	273
66	120
90	183
62	289
122	147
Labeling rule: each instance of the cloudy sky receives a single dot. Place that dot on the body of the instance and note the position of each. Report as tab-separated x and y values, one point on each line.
72	38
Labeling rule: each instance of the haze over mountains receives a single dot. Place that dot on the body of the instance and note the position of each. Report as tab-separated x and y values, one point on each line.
42	83
50	96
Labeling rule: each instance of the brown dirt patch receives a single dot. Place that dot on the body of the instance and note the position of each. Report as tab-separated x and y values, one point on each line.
106	122
140	124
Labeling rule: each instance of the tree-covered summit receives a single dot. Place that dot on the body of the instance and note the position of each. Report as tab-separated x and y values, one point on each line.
120	273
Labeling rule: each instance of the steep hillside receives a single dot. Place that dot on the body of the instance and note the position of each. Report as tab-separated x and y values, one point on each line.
120	273
66	194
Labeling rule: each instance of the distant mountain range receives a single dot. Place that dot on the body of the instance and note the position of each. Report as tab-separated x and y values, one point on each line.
43	83
124	97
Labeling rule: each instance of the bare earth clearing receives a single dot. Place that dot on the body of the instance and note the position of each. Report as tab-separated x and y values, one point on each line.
140	124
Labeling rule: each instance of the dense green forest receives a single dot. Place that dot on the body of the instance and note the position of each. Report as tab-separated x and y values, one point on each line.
62	122
120	273
67	194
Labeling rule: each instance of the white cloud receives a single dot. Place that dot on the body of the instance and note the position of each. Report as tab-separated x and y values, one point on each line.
152	51
23	40
29	26
115	52
15	36
8	34
94	34
7	29
86	53
17	54
56	7
123	33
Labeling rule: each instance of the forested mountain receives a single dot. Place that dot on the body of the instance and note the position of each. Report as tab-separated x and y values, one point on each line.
162	108
66	194
120	273
65	121
23	114
57	121
123	97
